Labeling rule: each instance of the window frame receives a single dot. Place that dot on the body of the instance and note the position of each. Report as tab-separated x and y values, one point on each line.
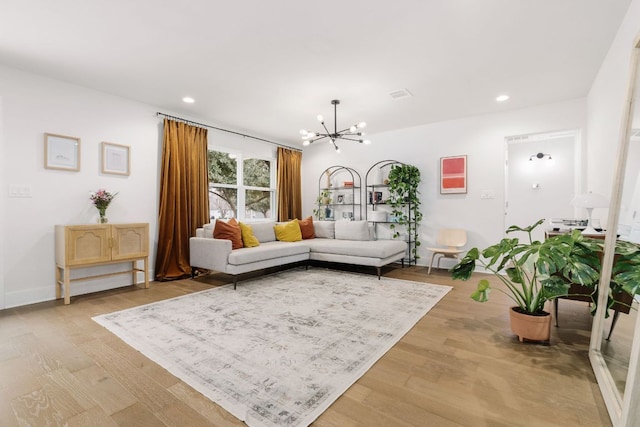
241	189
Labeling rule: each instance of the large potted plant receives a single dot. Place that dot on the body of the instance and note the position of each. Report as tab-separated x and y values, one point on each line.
404	202
533	273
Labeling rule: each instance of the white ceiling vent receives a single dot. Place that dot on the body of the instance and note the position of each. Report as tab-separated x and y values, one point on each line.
399	94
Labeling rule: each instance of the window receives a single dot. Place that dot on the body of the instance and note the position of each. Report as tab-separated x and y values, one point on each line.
240	186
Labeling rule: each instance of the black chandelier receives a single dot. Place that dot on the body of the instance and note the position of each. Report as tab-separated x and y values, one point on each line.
351	133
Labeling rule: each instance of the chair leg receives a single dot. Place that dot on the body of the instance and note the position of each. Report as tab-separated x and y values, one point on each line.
613	323
235	282
379	270
555	310
431	263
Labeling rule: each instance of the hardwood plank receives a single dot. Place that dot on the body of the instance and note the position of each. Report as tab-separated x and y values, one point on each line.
137	415
94	417
108	393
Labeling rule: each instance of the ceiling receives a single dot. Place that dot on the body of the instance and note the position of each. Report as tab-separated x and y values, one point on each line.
268	68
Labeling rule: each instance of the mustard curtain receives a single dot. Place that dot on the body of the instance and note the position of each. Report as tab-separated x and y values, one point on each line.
184	196
289	184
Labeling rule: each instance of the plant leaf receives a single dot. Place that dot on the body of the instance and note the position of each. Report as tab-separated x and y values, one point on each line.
481	294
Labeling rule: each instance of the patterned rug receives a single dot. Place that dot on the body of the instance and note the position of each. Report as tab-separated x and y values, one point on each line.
281	348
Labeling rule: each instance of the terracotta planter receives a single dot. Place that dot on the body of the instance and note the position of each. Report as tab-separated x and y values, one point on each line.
526	326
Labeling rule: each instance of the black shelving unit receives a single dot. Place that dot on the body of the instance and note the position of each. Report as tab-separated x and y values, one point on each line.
376	195
339	194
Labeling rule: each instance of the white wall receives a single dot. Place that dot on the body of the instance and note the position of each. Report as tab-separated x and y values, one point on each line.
605	104
481	138
32	106
2	208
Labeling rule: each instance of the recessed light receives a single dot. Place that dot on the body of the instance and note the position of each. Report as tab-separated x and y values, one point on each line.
502	98
188	100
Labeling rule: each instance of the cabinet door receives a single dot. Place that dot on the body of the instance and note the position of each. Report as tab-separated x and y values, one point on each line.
86	244
129	241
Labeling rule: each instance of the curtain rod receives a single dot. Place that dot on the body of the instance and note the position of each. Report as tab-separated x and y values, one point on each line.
225	130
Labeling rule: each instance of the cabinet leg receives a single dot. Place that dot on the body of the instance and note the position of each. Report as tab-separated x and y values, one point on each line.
146	272
58	283
67	280
134	273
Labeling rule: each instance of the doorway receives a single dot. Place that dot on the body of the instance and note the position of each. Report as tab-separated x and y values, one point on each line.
542	177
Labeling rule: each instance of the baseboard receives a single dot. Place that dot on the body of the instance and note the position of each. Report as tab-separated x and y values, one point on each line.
48	293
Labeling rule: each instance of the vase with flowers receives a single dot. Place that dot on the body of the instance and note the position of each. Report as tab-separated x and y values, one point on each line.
101	199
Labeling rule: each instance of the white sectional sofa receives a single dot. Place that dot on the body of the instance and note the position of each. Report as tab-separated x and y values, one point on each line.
346	242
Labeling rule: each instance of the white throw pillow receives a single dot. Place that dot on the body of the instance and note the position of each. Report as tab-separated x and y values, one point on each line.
263	230
352	230
324	229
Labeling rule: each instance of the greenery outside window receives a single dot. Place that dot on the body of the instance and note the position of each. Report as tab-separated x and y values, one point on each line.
241	186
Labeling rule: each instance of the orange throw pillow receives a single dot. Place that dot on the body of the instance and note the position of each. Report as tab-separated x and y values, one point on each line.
306	227
228	231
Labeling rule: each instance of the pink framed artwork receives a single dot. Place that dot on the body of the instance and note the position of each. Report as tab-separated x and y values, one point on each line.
453	175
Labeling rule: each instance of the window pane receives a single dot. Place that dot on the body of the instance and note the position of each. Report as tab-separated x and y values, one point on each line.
222	168
257	173
257	204
223	202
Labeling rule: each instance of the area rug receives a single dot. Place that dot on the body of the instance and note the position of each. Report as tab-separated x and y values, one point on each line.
281	348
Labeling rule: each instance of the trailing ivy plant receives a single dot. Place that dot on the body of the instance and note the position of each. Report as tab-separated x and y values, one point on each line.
404	201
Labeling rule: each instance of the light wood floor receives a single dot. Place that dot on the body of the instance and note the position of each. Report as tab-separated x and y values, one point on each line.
459	366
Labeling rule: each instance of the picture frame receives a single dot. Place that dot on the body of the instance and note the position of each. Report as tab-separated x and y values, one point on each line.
61	152
453	175
340	199
116	159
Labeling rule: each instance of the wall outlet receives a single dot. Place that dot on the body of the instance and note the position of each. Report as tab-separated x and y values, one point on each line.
22	190
487	194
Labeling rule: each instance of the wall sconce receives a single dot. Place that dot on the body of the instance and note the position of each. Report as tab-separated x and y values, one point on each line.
540	156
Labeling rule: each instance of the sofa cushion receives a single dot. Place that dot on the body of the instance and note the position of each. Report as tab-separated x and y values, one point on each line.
267	250
352	230
288	232
373	248
248	239
228	231
306	228
324	229
263	230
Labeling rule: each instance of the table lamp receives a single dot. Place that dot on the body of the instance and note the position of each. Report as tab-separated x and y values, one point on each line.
590	201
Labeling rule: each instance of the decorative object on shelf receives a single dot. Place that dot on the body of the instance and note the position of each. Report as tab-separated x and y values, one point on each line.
404	201
101	199
342	197
539	156
453	175
347	134
61	152
115	159
590	201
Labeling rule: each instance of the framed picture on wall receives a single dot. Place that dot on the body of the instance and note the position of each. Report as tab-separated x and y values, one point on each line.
61	152
115	159
453	175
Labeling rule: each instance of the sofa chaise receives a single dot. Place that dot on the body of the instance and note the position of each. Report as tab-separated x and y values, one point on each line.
345	242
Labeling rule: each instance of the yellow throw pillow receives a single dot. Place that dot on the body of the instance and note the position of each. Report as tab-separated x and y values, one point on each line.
288	232
249	240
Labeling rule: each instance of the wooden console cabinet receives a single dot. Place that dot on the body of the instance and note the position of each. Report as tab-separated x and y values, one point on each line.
81	246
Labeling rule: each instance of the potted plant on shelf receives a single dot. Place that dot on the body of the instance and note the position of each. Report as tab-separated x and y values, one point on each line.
404	201
324	198
533	273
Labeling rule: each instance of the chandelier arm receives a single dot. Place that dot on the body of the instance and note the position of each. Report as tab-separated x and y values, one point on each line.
320	136
325	128
350	139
